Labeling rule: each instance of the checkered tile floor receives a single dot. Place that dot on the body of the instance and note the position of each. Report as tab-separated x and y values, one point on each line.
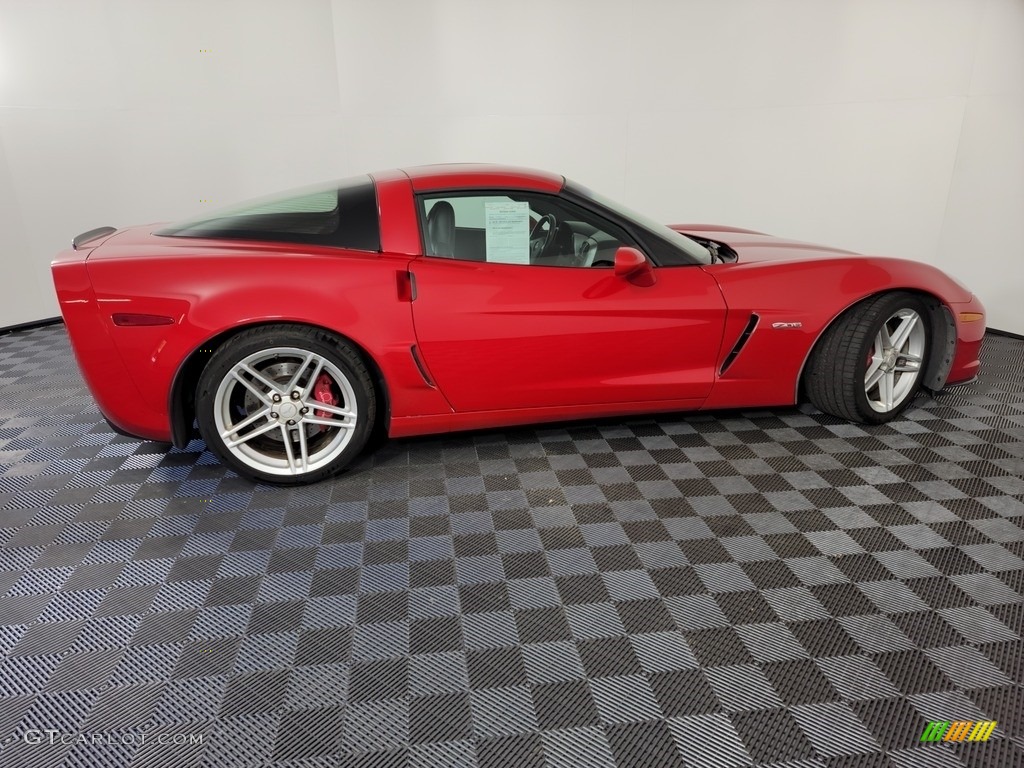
773	587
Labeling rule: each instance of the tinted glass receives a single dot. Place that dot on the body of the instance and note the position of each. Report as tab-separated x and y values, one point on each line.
693	250
341	214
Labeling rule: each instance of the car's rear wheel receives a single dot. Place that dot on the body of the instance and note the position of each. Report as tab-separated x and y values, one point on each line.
869	364
286	404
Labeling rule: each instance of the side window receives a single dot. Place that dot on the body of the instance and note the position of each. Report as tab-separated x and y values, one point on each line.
517	228
342	215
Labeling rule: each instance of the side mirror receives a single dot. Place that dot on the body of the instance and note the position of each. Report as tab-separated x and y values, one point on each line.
632	265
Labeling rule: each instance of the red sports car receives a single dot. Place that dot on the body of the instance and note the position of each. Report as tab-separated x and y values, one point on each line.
457	297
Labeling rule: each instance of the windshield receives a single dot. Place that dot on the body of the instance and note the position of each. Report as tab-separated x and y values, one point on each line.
694	250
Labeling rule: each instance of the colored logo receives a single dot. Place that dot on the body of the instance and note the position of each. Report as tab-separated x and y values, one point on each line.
958	730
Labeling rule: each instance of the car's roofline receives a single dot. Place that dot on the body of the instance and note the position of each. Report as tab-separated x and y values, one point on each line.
425	178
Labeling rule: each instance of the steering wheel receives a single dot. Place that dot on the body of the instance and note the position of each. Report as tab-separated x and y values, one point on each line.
587	252
540	240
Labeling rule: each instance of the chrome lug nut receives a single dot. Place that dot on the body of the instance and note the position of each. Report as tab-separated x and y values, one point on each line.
303	410
291	422
273	415
277	398
296	395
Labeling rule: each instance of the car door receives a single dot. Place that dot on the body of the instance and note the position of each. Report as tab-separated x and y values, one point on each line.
503	323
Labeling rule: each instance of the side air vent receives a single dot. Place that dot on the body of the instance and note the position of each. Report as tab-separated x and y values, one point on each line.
740	343
415	352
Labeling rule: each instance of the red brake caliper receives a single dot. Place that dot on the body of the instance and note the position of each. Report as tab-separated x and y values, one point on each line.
322	392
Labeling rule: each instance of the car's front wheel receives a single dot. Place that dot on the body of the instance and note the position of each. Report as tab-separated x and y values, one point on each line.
286	404
869	364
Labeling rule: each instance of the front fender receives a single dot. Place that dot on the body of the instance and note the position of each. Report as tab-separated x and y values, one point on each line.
795	302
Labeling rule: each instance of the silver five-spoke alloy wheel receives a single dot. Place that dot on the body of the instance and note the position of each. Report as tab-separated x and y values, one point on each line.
895	360
285	411
873	359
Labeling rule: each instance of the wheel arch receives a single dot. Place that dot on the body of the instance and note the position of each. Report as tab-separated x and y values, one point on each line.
941	325
181	405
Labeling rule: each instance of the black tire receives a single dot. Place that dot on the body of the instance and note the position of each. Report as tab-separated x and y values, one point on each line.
835	376
339	448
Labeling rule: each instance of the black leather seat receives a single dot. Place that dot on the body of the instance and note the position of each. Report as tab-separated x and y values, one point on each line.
563	249
441	230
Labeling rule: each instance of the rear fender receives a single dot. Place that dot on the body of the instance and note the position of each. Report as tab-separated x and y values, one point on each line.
354	297
181	398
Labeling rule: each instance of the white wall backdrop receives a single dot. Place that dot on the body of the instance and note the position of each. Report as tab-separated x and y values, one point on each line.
885	126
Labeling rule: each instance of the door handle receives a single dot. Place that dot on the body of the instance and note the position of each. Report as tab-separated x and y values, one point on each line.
406	283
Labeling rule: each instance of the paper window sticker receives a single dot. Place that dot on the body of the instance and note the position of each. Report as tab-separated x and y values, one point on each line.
507	231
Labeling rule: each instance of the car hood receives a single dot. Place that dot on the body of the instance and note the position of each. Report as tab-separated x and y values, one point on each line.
757	246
